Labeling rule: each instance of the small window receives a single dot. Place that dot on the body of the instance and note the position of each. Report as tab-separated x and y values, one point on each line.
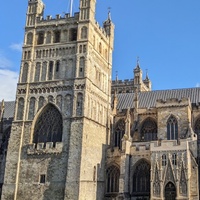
164	160
174	159
43	178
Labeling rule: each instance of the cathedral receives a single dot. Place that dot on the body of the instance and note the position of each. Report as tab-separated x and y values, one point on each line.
73	133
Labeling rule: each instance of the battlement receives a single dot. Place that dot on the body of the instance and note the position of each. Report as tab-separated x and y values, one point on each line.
138	148
101	29
58	17
172	102
167	145
47	148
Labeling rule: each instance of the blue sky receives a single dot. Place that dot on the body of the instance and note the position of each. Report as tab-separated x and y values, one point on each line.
165	34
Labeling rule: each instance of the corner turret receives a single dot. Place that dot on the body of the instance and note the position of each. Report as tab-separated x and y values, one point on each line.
35	9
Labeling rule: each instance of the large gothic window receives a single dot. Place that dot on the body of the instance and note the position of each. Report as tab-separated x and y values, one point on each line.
149	130
112	180
172	128
141	179
119	133
48	127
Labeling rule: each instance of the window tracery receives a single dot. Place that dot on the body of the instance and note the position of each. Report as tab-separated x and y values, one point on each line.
172	128
141	179
48	127
112	181
119	133
149	130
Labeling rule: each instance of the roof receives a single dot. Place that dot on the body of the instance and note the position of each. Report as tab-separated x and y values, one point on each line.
148	99
9	109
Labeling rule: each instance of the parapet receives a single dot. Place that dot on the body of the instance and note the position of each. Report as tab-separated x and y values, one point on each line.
49	148
172	102
140	148
49	18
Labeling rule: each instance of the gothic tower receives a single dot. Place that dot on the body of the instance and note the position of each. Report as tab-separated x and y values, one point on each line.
60	128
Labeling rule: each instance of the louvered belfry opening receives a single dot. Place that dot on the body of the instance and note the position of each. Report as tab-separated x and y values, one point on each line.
48	127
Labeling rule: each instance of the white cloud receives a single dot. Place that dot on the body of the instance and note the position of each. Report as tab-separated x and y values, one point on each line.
8	84
17	47
198	85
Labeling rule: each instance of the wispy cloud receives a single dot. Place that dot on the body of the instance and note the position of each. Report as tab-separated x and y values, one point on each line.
4	62
8	84
17	47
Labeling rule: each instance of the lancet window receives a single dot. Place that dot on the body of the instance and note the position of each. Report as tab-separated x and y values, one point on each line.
79	104
112	180
56	36
164	160
20	109
172	128
40	38
48	127
31	108
24	73
149	130
84	32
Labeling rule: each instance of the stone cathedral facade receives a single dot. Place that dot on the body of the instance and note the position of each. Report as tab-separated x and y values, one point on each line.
74	134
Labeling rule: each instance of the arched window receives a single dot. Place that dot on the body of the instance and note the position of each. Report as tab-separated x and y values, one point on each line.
79	104
37	71
48	39
50	72
31	108
56	36
149	130
48	127
172	128
44	71
84	32
40	38
141	179
40	102
119	133
81	67
112	180
20	109
29	39
68	107
73	34
24	73
164	160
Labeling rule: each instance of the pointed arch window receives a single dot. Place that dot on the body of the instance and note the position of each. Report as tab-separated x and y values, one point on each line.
119	133
84	32
172	128
141	179
20	109
112	180
149	130
48	127
24	73
31	108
